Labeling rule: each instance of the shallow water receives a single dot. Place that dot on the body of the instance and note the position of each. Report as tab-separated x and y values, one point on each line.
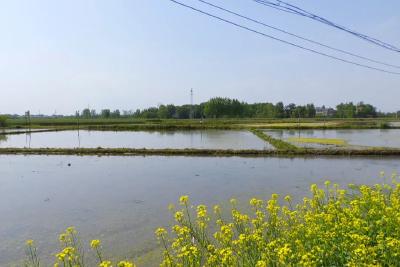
121	200
207	139
394	123
369	137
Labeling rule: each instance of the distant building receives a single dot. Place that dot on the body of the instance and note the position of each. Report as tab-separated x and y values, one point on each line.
325	112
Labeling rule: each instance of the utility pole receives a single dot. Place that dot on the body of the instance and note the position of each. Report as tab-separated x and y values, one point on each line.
191	103
77	118
28	119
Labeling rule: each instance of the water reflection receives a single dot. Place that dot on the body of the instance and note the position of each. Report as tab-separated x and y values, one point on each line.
79	139
28	138
207	139
3	138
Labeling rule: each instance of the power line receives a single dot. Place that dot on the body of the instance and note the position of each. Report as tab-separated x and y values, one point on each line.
289	8
298	36
283	41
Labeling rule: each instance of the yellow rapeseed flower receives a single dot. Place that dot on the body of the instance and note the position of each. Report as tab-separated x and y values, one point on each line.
288	198
71	230
217	209
60	256
105	264
95	243
125	264
178	216
183	200
62	237
160	232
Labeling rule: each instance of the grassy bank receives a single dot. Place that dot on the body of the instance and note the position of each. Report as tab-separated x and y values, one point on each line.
277	143
136	123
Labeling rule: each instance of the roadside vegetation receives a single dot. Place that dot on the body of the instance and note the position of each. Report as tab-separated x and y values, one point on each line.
357	226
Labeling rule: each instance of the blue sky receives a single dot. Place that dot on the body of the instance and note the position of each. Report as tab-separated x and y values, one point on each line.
66	55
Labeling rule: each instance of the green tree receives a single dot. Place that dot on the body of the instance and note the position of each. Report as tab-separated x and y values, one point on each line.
150	113
116	113
3	120
105	113
219	107
86	113
290	110
365	110
346	110
183	112
279	110
310	111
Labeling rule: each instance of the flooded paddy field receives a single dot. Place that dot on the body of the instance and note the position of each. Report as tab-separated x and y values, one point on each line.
121	200
201	139
347	138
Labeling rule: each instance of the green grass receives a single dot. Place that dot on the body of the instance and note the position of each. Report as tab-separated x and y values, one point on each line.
321	141
277	143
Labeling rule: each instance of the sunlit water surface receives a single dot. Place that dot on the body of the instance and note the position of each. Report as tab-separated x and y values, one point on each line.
121	200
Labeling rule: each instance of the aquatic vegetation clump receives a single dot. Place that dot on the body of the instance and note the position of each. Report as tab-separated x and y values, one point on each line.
358	226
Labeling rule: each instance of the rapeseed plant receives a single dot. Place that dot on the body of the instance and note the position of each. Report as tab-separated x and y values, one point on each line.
358	226
71	253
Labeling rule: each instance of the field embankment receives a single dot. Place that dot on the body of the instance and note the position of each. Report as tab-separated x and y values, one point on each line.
129	123
198	152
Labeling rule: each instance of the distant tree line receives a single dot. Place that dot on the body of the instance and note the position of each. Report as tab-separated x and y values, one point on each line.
227	108
222	107
104	113
361	110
